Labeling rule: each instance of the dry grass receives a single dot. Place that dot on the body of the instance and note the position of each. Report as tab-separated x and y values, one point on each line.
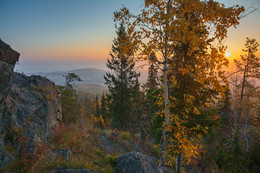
88	151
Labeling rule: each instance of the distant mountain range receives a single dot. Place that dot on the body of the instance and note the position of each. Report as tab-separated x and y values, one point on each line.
88	76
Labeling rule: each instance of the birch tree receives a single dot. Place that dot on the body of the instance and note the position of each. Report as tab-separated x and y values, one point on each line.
186	36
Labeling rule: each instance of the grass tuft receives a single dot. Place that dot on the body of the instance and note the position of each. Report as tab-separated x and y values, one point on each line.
125	135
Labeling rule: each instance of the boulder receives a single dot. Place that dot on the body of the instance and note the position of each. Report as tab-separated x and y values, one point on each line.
62	169
135	162
65	153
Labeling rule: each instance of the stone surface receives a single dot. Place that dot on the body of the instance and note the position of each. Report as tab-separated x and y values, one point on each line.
65	153
7	54
135	162
106	143
8	58
29	107
67	170
33	106
32	111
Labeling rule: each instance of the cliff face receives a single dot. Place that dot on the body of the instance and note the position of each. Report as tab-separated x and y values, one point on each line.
8	58
29	107
33	106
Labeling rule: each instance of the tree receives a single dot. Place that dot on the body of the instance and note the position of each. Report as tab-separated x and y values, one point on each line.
97	112
152	79
69	102
151	89
104	107
123	82
70	77
249	66
183	33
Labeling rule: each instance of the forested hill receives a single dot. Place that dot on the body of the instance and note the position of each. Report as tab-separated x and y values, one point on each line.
88	76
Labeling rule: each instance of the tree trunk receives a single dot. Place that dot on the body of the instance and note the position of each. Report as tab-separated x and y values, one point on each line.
166	95
179	163
245	132
163	139
236	110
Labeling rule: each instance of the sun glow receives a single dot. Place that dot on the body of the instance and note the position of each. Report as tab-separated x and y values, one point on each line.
227	54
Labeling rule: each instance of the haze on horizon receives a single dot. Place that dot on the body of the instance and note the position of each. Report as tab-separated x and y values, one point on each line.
63	34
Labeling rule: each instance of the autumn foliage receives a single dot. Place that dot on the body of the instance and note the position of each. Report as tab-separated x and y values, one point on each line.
187	39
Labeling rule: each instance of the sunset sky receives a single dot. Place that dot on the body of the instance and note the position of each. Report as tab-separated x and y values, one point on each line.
81	31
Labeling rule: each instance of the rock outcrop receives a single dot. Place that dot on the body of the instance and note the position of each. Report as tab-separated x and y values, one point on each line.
32	106
8	58
135	162
29	107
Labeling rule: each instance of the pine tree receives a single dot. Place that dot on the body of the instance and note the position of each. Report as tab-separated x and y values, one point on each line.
69	102
152	80
103	109
71	77
97	112
122	82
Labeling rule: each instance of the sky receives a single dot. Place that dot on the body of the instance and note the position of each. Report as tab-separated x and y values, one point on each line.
51	34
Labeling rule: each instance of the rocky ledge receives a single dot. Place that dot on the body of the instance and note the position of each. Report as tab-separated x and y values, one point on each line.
29	108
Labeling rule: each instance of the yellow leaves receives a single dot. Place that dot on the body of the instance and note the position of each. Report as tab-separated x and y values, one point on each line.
189	98
184	144
206	130
192	26
183	71
196	111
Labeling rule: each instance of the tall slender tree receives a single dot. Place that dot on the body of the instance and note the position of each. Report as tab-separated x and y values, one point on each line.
122	82
249	66
151	89
103	107
69	102
97	112
152	79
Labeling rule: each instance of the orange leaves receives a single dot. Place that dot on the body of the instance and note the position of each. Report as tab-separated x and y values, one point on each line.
183	142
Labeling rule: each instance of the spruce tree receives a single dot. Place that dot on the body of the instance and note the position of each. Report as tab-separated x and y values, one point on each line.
152	80
151	88
97	112
122	82
104	108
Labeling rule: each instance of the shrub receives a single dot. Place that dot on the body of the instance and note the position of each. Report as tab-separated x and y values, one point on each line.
99	152
111	159
125	135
